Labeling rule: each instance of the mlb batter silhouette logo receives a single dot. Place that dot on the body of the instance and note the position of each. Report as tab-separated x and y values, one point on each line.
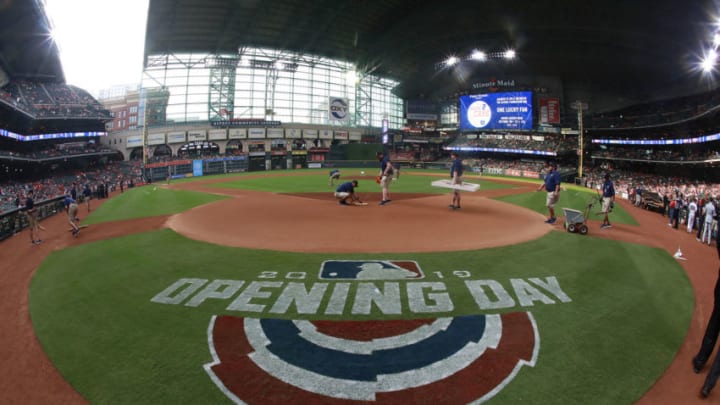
370	270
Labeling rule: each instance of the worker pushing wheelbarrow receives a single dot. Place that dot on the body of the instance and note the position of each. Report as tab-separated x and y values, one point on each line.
575	220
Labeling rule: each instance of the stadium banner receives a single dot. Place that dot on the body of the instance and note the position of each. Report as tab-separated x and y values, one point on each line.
237	133
496	111
326	134
256	133
310	133
197	136
156	139
197	168
176	137
338	109
134	141
341	135
538	138
217	135
549	110
275	133
355	136
293	133
471	136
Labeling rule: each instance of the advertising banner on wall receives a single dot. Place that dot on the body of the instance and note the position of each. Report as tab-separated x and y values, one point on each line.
341	135
133	141
355	136
310	133
549	110
197	168
293	133
256	133
197	136
338	109
217	135
176	137
237	133
156	139
326	134
275	133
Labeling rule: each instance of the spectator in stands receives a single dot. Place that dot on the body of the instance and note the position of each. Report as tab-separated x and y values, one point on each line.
692	210
701	219
709	213
552	187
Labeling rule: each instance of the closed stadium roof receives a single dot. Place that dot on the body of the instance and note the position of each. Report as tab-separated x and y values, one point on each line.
630	50
26	48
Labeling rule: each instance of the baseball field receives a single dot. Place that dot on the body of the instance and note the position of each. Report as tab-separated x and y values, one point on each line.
254	288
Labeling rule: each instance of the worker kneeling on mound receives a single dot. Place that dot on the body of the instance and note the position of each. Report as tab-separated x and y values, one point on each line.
345	193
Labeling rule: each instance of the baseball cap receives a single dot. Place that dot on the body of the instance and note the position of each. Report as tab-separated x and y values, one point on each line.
355	182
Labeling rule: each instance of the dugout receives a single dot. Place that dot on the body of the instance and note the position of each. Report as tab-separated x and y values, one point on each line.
256	163
299	159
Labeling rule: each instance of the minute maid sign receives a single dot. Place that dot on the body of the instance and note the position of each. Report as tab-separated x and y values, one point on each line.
462	358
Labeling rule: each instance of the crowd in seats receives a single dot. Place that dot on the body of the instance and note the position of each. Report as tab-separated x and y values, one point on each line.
670	196
59	150
658	112
108	177
169	158
52	100
414	153
544	142
674	154
496	165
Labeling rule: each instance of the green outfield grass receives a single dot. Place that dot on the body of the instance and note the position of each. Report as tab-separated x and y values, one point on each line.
314	181
575	198
629	309
147	201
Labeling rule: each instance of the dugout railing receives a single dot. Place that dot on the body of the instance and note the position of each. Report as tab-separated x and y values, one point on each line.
15	220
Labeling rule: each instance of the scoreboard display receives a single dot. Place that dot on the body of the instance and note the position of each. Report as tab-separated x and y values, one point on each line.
511	110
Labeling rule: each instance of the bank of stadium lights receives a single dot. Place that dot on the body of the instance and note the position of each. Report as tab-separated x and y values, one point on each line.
709	60
477	56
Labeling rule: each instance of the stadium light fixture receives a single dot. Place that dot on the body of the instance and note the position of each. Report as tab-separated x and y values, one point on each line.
510	54
451	61
478	55
716	40
707	65
279	65
352	76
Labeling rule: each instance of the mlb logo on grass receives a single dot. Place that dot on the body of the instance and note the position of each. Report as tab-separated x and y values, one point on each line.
370	270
